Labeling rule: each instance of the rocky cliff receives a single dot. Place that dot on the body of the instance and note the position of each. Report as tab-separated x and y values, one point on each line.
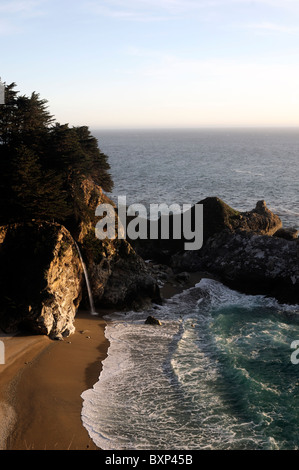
249	251
252	263
41	274
41	278
118	275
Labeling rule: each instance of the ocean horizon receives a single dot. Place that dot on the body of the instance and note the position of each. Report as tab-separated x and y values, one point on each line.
240	166
218	373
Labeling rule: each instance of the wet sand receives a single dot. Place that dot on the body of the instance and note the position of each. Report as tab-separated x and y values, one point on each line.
42	391
42	382
19	352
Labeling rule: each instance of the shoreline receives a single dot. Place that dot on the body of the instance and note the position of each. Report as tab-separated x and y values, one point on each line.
43	390
19	352
42	382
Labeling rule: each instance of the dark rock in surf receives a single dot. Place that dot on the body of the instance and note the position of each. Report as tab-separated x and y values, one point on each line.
152	321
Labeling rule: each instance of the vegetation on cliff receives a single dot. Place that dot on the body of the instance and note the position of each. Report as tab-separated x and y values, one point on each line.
52	178
43	163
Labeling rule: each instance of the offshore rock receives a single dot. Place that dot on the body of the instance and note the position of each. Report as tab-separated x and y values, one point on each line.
217	216
260	220
40	278
253	253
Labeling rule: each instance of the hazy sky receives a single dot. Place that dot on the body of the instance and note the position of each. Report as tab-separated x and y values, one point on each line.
156	63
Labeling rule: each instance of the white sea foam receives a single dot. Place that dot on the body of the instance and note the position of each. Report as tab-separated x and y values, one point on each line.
181	385
220	295
209	376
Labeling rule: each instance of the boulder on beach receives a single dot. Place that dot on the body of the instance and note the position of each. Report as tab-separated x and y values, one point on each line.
182	276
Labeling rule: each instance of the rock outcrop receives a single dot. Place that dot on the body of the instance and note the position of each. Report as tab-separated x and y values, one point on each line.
41	274
40	278
254	263
92	196
251	263
217	216
118	276
249	251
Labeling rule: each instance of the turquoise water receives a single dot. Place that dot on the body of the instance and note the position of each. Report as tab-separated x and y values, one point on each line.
218	373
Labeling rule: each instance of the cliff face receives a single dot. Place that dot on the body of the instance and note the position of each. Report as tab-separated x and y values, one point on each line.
118	276
41	274
40	278
92	196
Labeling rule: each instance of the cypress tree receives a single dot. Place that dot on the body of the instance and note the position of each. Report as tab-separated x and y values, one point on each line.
42	162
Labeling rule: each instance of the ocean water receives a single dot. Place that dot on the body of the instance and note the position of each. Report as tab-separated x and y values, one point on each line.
218	373
185	166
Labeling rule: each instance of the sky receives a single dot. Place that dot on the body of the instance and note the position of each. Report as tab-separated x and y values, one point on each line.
156	63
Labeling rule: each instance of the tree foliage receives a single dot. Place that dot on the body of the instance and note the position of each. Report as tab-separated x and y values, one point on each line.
43	162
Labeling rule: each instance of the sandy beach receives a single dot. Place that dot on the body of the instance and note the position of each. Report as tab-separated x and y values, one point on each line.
20	351
42	381
41	385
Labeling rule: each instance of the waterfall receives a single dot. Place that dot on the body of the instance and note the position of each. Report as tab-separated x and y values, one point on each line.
92	309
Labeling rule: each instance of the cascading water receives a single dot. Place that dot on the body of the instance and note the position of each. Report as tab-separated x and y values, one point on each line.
90	297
